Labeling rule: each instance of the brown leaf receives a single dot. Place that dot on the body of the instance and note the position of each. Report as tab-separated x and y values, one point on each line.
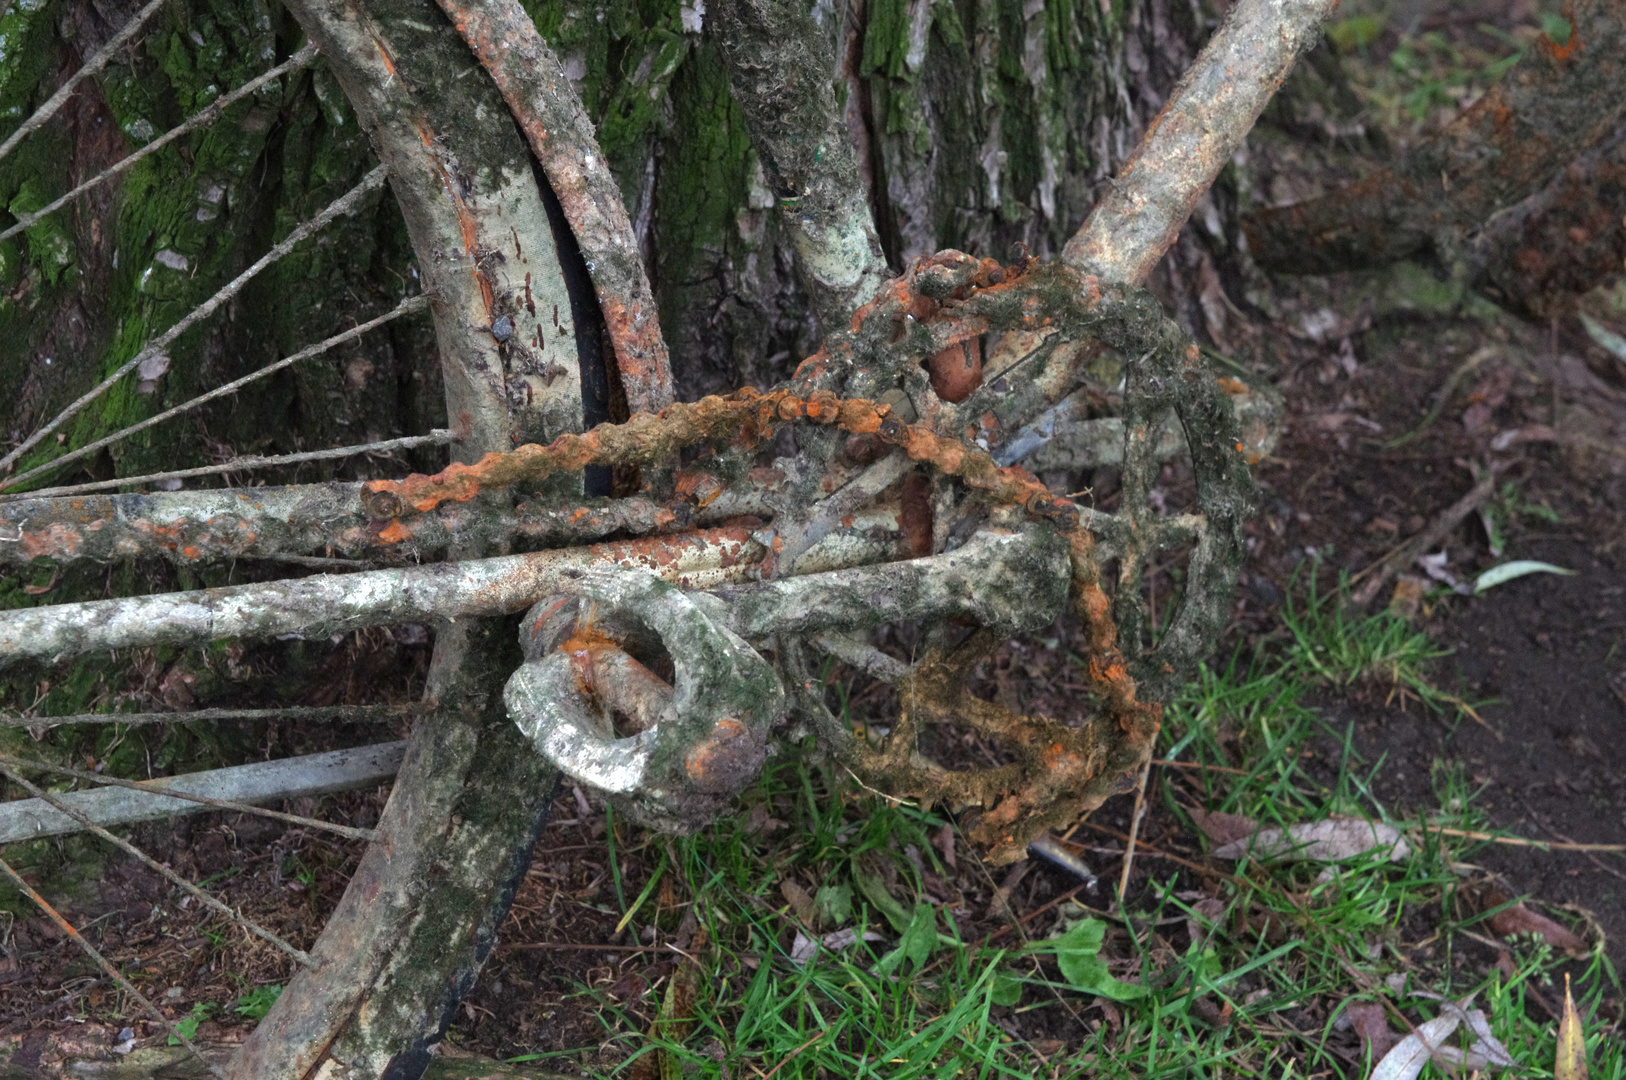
1369	1022
1570	1058
1223	828
800	900
1519	919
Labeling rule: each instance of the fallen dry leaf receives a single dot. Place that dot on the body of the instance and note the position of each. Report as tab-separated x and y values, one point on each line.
1410	1054
1332	840
1367	1019
1223	828
1519	919
1570	1060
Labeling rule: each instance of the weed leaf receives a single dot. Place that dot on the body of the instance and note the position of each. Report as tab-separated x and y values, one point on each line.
1518	568
874	890
1605	337
1077	954
1005	989
833	904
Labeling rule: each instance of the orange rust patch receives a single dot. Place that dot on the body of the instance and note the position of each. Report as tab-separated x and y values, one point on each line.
55	540
394	533
957	370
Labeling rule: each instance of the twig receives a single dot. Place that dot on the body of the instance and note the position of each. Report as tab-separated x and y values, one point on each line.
1403	556
1443	398
86	70
1199	765
240	464
1519	841
344	204
792	1055
112	972
1134	834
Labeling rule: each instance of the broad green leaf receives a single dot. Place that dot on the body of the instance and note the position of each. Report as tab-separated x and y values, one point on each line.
920	939
1005	989
833	904
1518	568
874	890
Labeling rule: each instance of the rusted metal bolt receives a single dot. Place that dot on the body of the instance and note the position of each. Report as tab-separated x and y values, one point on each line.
381	504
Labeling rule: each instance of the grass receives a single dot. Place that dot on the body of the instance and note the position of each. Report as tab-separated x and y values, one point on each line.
1332	644
1238	969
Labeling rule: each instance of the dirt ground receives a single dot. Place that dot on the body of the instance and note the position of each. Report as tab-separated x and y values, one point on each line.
1360	359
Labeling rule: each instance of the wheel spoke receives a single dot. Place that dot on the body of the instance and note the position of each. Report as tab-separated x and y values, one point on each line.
439	437
405	307
300	955
345	714
207	115
86	70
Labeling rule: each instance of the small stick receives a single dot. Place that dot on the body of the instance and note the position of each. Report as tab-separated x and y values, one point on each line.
1449	518
1519	841
1134	833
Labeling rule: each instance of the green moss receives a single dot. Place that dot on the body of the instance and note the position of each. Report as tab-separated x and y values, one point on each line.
704	179
886	38
50	248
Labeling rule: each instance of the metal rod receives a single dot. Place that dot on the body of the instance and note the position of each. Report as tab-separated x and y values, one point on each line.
207	115
439	437
314	774
335	713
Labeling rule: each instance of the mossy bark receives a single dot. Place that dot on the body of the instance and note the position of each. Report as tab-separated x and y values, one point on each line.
977	124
